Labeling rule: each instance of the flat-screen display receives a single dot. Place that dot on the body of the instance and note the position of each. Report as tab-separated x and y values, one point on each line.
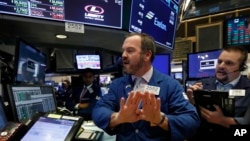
46	9
92	61
49	129
236	32
178	75
105	79
202	64
26	101
107	13
156	18
30	64
162	63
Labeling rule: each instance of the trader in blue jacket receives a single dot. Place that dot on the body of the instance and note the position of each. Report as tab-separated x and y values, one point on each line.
159	113
230	64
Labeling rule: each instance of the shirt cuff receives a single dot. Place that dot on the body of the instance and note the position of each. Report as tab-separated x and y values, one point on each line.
77	106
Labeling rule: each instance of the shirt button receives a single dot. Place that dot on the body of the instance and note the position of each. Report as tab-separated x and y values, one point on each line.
136	131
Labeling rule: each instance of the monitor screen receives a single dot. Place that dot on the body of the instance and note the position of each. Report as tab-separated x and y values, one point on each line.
107	13
147	17
162	63
88	61
202	64
178	75
30	64
26	101
105	79
236	32
45	9
49	129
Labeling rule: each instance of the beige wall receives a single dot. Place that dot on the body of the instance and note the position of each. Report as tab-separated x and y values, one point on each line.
58	79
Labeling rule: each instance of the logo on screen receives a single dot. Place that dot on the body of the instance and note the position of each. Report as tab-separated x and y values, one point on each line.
160	24
150	15
236	20
94	12
94	9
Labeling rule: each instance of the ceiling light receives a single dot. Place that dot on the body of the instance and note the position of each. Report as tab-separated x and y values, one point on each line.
186	4
61	36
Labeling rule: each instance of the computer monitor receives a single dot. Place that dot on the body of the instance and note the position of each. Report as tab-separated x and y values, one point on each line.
28	100
30	64
105	79
50	129
202	64
162	63
92	61
178	75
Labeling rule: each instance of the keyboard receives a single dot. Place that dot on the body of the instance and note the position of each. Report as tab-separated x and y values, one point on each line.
87	134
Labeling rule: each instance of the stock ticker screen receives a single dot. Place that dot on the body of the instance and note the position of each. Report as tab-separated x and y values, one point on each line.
107	13
49	9
236	32
156	18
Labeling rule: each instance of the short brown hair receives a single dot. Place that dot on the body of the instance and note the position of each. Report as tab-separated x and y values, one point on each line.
147	43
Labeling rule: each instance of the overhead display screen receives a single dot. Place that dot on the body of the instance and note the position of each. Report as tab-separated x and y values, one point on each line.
107	13
88	61
156	18
95	12
236	32
49	9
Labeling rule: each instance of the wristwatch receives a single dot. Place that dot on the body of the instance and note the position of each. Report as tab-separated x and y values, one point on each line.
162	119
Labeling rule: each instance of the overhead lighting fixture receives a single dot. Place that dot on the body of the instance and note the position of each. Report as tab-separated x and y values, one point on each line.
186	4
61	36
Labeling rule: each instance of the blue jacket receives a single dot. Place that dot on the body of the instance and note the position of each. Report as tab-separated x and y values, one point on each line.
241	102
182	116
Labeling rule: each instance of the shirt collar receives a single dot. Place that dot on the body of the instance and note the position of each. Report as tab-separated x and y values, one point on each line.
84	86
234	82
146	76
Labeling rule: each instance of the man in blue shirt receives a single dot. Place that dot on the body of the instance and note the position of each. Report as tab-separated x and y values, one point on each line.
159	114
215	124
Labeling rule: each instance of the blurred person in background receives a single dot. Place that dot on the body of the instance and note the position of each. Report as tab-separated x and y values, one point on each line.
84	97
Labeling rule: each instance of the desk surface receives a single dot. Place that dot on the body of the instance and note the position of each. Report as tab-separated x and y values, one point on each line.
89	125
